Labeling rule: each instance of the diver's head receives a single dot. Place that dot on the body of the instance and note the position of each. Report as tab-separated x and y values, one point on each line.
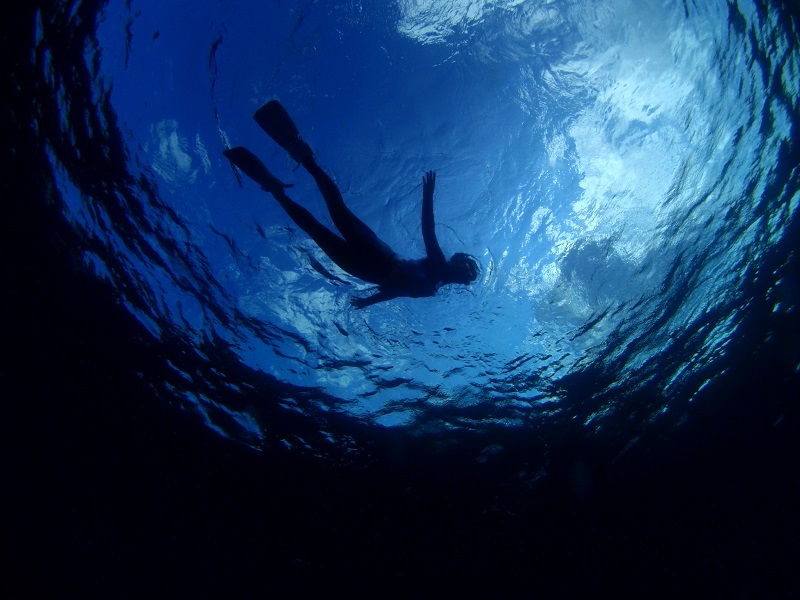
462	268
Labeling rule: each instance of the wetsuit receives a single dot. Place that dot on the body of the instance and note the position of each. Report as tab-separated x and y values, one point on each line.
358	250
362	253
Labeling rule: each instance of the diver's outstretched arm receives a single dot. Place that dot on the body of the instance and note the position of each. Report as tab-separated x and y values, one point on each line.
381	296
432	248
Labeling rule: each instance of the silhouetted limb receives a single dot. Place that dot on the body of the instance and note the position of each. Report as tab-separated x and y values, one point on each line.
359	251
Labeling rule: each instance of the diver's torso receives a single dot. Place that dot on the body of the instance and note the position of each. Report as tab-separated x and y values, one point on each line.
415	278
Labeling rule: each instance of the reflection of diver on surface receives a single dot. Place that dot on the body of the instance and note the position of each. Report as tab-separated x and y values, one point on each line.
361	253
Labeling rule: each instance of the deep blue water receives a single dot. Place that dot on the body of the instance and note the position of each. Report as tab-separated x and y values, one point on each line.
625	172
620	169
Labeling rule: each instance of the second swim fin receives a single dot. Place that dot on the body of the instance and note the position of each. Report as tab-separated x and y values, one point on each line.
254	168
277	123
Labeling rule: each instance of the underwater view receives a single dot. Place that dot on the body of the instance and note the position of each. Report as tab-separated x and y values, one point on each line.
610	390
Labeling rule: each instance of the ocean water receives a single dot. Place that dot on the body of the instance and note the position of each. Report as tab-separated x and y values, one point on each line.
626	173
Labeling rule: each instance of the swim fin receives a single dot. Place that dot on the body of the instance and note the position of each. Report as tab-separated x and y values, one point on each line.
254	169
274	119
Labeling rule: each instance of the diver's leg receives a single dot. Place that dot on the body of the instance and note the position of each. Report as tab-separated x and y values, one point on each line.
278	125
251	166
337	249
276	122
353	261
351	227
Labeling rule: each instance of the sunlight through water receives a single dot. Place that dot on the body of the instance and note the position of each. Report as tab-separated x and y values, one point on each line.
622	170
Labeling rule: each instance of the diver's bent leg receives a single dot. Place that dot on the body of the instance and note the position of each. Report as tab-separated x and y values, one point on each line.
352	228
337	249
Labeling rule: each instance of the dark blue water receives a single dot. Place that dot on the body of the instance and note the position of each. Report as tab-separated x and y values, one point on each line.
625	172
620	171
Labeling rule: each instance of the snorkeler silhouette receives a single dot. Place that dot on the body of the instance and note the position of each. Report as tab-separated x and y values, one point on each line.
359	251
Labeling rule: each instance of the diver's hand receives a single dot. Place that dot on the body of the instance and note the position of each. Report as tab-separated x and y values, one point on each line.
381	296
428	183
